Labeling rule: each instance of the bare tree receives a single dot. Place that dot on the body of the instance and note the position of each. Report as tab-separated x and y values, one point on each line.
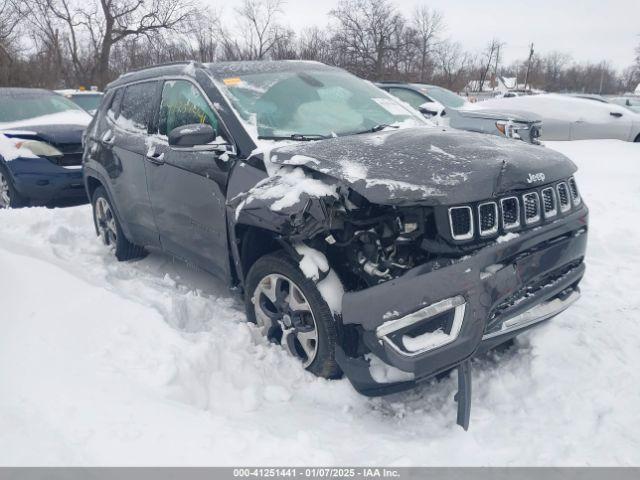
454	64
92	27
428	25
364	34
260	29
10	17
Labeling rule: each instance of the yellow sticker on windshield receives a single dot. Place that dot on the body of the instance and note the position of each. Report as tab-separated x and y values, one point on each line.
232	81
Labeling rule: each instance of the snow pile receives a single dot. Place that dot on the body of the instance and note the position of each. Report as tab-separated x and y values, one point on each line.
150	363
314	264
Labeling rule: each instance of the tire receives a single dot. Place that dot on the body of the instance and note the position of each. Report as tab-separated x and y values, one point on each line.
291	332
637	140
9	196
109	230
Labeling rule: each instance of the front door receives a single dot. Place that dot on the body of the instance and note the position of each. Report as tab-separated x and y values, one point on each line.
187	185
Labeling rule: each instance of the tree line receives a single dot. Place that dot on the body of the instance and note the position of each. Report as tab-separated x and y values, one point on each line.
67	43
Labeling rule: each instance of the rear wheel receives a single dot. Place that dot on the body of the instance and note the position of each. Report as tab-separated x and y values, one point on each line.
289	311
637	140
9	196
109	229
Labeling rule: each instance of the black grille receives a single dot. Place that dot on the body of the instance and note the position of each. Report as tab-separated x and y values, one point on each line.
510	212
575	195
488	218
461	222
68	160
531	203
563	197
549	202
526	209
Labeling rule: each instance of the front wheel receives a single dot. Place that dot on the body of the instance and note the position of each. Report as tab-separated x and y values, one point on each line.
9	196
109	229
290	311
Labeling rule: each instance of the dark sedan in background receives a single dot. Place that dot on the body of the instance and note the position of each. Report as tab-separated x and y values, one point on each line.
445	107
40	148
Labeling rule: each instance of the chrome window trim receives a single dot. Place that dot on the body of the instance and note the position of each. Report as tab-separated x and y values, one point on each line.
554	212
494	229
529	221
470	233
577	199
567	207
504	224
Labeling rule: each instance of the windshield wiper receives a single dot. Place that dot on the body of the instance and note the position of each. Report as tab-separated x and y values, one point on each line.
377	128
303	137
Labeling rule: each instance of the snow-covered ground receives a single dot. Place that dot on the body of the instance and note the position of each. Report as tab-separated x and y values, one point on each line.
150	363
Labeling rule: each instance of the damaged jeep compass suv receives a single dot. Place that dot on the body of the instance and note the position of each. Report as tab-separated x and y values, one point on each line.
364	241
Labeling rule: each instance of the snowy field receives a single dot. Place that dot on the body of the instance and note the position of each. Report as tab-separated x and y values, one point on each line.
149	363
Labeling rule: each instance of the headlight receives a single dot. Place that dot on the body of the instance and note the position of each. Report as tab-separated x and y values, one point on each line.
42	149
508	129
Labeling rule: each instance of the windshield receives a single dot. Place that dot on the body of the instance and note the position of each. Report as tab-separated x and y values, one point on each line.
316	103
89	102
24	106
445	97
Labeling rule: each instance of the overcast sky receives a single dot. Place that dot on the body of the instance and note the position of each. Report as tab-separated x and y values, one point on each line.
593	30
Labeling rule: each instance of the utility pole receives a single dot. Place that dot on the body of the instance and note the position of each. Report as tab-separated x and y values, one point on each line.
495	70
526	78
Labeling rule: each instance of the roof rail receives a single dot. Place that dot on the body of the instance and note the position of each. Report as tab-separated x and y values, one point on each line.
167	64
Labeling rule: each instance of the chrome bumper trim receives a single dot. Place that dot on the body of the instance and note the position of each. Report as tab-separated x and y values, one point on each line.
534	315
457	304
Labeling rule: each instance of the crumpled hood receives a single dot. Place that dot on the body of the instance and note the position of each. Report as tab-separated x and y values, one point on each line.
427	166
497	114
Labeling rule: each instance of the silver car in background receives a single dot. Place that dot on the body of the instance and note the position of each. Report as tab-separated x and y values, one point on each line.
445	107
570	118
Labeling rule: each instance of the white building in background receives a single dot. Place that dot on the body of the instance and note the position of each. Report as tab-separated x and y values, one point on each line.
637	92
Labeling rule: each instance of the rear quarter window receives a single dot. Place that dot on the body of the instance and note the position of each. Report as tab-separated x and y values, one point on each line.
137	106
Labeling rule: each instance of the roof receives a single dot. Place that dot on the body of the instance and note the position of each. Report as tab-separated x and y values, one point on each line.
73	91
638	89
220	69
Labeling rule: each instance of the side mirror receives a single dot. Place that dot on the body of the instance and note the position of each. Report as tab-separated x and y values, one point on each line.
431	109
192	135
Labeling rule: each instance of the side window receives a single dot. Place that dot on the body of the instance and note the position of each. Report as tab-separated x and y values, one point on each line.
114	107
137	106
409	96
183	104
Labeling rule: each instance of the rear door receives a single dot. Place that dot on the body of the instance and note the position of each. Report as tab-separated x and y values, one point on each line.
127	140
187	185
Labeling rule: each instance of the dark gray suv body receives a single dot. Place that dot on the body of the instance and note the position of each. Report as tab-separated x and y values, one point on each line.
363	240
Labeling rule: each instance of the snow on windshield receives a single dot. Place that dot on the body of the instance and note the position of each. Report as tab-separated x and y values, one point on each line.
317	103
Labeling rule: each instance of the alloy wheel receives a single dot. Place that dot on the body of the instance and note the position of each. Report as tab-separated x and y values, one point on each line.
5	194
106	222
284	316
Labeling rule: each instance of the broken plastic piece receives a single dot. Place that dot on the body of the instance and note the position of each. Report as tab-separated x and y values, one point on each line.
463	397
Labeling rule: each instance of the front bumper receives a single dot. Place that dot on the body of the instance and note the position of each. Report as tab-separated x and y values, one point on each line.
40	180
479	302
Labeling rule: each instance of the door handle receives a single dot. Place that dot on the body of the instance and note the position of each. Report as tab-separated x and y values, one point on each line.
157	158
615	114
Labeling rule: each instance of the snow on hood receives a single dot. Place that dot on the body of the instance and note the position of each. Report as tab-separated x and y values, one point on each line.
425	165
69	117
496	114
